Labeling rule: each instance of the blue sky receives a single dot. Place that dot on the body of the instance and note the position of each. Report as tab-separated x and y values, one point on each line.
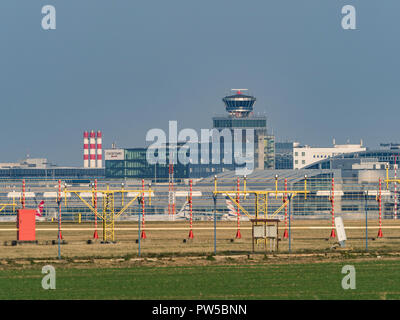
127	66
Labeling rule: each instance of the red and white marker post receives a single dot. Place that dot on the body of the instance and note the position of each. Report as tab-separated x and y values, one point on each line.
238	234
191	210
395	188
143	235
285	233
95	235
379	198
23	194
333	233
59	210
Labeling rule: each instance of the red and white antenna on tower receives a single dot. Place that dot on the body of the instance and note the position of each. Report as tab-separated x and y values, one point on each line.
92	149
86	149
99	150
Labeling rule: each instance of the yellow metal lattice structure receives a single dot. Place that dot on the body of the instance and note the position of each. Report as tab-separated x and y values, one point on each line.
5	205
388	179
261	204
261	198
108	214
108	217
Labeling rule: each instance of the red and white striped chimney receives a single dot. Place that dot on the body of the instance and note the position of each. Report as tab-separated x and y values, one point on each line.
99	150
86	149
92	149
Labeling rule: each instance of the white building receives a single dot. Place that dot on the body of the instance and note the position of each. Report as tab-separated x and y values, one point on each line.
38	163
306	155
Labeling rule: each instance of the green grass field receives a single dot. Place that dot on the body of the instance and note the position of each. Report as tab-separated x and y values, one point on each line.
374	280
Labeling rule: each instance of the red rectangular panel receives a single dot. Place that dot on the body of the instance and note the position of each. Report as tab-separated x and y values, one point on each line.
26	225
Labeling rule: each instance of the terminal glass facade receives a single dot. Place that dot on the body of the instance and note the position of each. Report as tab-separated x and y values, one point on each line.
52	173
232	123
283	155
269	152
136	166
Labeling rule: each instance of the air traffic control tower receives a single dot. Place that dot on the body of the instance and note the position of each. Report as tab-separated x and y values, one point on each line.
240	116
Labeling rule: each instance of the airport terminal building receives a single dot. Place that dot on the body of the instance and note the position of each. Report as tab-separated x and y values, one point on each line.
40	168
131	163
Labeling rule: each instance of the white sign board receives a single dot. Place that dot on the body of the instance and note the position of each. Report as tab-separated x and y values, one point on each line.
376	193
19	194
341	234
271	231
259	231
186	193
114	154
139	194
278	194
55	194
91	194
328	193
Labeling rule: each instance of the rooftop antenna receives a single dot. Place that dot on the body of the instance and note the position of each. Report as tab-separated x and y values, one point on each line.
239	91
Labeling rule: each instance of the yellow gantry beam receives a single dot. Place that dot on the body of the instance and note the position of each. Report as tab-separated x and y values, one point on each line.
392	180
281	207
112	191
4	205
258	194
239	206
108	216
126	207
138	192
388	180
263	192
87	204
261	196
